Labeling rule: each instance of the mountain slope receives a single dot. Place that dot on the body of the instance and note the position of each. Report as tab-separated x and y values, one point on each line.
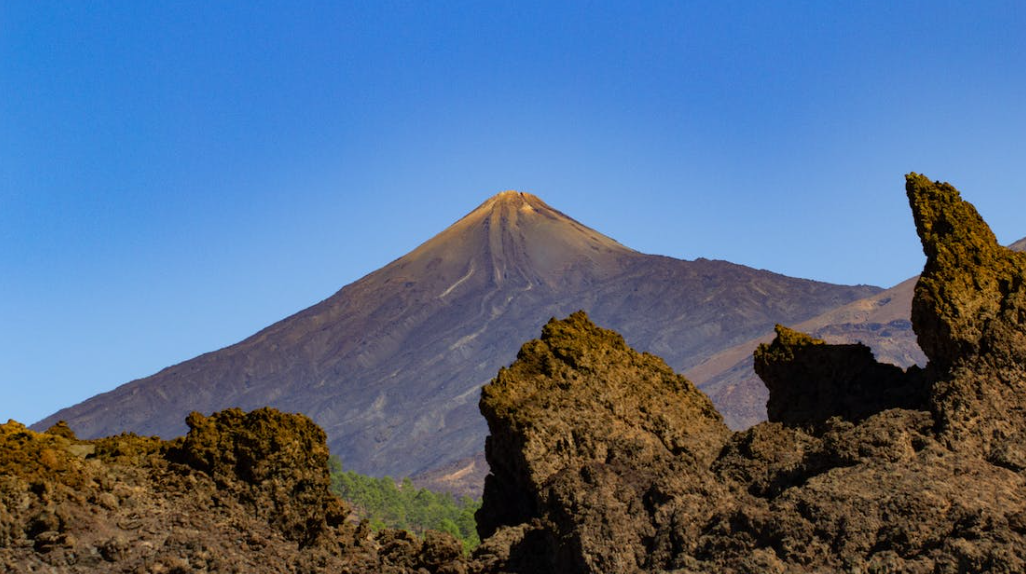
391	365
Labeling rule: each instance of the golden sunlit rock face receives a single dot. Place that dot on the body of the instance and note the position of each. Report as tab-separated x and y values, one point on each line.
969	313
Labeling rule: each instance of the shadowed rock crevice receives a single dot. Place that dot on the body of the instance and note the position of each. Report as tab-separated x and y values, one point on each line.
810	381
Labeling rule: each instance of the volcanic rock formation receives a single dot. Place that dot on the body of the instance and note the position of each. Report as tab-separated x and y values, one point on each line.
881	321
240	493
604	460
969	315
810	382
391	365
588	437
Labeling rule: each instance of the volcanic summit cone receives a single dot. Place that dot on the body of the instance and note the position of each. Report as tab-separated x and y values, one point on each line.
391	365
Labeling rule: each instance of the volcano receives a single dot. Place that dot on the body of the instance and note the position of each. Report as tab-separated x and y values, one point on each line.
391	365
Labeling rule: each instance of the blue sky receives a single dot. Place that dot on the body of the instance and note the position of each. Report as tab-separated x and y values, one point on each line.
176	176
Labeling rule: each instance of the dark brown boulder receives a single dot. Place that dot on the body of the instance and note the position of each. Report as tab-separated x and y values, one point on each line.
810	381
582	430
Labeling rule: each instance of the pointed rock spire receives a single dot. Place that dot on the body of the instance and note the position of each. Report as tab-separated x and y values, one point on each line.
969	312
970	297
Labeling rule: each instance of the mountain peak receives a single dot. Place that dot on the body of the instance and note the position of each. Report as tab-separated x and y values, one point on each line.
516	236
511	194
512	198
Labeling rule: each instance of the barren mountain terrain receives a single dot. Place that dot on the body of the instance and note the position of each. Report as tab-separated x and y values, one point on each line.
391	365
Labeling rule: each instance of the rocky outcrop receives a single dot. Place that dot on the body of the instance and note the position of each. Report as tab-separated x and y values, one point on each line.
969	314
242	492
881	321
272	464
970	304
864	467
585	432
810	382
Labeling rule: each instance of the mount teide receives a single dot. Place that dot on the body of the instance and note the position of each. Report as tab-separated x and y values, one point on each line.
391	365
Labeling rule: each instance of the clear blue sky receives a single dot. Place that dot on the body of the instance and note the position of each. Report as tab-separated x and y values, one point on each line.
175	176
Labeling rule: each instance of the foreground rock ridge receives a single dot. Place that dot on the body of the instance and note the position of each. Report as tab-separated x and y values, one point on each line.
242	492
603	460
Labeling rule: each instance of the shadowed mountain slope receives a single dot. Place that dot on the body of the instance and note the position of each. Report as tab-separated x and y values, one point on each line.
391	365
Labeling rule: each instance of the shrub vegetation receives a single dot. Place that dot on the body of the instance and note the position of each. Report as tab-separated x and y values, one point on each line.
388	504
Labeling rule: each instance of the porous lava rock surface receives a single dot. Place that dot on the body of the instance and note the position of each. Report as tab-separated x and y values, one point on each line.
586	435
603	460
969	315
242	492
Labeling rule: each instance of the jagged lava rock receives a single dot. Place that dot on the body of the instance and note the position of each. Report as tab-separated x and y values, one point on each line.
866	468
271	463
969	314
969	303
242	492
578	423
